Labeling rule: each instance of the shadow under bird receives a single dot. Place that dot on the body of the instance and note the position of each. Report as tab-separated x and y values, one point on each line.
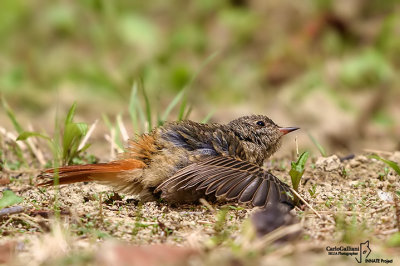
181	162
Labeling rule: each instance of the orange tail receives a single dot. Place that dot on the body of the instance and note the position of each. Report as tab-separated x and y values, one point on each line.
92	172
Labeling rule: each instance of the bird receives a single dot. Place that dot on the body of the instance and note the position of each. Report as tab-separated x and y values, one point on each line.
183	161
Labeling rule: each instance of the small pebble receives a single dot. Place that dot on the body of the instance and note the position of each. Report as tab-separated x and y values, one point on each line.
328	164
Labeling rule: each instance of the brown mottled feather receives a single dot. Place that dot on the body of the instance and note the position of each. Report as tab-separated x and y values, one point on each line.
229	178
236	190
141	149
246	194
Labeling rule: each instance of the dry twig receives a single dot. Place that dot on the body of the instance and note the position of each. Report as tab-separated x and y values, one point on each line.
305	202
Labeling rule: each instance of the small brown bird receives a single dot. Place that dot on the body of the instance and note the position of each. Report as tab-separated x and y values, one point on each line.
184	161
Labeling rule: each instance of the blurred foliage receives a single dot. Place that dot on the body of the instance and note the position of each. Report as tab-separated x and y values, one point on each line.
103	44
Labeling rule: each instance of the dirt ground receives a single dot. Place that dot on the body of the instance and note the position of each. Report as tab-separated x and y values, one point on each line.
97	226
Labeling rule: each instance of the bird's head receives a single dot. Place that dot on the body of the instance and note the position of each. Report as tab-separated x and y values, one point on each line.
260	131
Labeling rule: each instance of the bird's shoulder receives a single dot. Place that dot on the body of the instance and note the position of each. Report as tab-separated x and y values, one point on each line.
208	139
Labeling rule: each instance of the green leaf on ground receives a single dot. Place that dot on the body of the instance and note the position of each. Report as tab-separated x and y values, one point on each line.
9	198
389	163
297	170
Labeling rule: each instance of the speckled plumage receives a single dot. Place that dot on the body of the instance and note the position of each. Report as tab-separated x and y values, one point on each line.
185	161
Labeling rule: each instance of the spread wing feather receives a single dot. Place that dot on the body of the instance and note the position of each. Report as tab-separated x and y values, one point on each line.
232	179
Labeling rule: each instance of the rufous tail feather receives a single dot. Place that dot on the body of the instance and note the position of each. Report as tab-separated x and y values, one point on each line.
91	172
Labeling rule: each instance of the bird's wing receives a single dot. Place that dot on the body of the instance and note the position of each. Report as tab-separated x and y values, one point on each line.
232	179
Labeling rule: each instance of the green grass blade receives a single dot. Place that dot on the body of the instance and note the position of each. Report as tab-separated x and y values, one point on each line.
17	126
111	127
27	134
182	108
52	144
57	143
142	117
20	154
11	115
318	145
172	104
147	107
73	134
84	148
118	134
188	112
389	163
208	116
203	65
107	121
137	109
132	108
71	114
82	128
160	121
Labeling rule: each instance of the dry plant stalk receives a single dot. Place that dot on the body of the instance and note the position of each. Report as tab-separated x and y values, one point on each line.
305	202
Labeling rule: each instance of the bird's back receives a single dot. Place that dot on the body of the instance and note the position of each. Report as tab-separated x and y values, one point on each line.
178	145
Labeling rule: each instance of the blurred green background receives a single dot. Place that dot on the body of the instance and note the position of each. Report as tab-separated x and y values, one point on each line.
330	67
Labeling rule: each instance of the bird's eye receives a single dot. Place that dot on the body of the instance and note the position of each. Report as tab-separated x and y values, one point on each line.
260	123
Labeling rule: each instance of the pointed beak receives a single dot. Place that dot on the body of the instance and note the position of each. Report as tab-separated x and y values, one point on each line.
286	130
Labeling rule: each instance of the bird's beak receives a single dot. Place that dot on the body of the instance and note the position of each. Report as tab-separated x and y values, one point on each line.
286	130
